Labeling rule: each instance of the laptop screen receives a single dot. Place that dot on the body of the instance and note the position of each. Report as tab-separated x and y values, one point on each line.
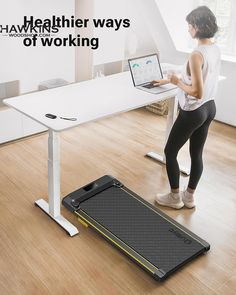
145	69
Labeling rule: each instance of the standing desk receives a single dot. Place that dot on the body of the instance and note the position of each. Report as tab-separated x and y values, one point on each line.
87	101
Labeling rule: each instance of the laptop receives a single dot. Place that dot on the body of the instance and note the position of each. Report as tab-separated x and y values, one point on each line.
144	70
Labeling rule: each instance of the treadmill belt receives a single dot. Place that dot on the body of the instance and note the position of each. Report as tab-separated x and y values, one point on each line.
142	229
156	242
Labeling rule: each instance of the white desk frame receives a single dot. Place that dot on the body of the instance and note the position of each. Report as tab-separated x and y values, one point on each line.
65	101
53	206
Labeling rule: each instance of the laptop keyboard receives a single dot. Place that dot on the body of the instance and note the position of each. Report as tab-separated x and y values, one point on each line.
149	86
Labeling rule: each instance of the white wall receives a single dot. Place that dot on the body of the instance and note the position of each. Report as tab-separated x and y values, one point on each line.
226	97
111	42
138	39
84	9
176	23
32	65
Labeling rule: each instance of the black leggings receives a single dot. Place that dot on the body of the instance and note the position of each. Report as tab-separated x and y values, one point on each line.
191	125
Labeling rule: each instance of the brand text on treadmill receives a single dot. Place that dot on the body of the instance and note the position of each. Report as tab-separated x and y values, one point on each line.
180	236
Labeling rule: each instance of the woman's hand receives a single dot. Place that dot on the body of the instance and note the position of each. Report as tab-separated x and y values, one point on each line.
174	79
160	82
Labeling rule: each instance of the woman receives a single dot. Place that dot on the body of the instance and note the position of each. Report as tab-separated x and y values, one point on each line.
197	89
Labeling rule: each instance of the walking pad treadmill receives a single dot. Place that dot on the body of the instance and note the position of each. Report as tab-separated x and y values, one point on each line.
156	242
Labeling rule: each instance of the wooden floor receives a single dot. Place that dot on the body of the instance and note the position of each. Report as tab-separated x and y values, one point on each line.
37	257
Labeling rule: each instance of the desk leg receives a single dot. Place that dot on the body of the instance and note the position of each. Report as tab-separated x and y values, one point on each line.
172	112
53	207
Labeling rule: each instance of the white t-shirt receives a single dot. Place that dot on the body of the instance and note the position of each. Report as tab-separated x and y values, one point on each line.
210	72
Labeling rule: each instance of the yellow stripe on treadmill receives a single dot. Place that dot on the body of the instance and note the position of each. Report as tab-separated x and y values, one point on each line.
116	242
161	215
82	222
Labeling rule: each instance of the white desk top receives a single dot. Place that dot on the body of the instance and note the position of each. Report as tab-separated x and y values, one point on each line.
87	101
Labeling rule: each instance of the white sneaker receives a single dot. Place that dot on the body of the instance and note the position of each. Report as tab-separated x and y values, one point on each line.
188	199
172	200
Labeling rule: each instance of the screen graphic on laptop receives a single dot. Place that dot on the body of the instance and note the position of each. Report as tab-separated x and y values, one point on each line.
145	69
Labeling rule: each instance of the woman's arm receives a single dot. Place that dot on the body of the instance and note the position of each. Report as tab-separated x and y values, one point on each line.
195	65
160	82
